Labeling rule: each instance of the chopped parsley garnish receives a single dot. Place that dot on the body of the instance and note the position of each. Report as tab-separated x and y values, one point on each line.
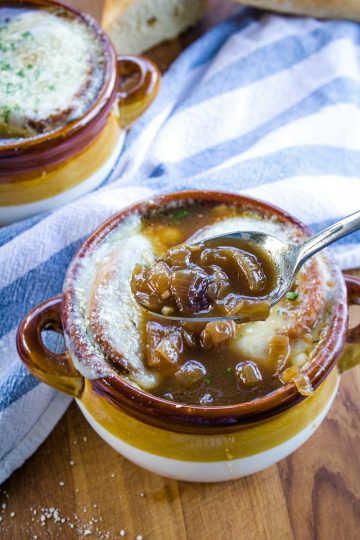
179	214
228	369
292	295
209	379
20	73
30	66
27	34
6	114
173	216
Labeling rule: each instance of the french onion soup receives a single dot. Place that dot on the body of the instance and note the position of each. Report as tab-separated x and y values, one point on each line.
51	69
218	363
208	279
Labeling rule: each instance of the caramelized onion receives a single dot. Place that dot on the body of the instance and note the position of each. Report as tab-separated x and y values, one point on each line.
219	283
158	277
246	263
301	380
279	352
189	289
215	280
163	344
189	338
142	289
170	348
178	256
234	304
248	373
217	332
191	374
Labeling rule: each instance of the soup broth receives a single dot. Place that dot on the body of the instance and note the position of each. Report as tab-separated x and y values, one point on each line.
218	363
212	279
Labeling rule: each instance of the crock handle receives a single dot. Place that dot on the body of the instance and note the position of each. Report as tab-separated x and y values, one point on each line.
350	356
55	369
134	99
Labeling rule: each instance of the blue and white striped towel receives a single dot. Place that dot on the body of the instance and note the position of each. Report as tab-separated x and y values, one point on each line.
265	105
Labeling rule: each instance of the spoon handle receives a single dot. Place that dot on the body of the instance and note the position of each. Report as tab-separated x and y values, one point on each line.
328	236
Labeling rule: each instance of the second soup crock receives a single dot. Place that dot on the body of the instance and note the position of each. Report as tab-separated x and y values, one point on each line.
45	170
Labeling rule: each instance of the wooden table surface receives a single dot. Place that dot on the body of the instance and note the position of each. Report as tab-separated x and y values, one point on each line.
75	486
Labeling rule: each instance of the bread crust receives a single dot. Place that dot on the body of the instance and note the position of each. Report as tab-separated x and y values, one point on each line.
323	9
135	26
113	9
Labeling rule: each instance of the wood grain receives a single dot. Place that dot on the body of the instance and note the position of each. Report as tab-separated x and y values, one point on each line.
313	494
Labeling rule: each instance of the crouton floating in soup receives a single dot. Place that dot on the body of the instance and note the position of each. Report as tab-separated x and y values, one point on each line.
194	363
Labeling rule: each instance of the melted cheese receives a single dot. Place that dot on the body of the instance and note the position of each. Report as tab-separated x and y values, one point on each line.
121	316
119	313
51	70
253	338
252	341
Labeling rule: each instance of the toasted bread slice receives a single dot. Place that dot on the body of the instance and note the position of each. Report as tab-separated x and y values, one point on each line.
137	25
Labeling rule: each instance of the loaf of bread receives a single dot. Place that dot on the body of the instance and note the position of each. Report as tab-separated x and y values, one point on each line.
136	25
324	9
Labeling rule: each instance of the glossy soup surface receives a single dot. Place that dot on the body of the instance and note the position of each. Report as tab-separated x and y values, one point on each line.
219	277
196	363
208	364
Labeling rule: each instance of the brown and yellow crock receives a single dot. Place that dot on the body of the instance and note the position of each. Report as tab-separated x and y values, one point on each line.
196	443
40	172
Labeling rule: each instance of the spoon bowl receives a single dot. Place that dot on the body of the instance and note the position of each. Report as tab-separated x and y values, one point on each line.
287	259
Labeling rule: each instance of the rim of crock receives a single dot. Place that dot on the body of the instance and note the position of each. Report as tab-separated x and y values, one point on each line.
276	401
100	101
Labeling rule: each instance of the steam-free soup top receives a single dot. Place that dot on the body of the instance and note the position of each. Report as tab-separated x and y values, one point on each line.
194	363
51	69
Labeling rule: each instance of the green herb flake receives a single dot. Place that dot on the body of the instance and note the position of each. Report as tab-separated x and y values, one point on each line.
6	115
179	214
30	66
292	295
229	369
27	34
20	73
51	87
209	379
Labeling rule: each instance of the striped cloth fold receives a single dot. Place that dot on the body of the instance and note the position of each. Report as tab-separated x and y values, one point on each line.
264	105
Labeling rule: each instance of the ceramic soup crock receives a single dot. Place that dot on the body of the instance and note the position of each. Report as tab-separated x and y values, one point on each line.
194	443
41	172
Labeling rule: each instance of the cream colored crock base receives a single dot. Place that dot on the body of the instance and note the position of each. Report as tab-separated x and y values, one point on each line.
10	214
216	471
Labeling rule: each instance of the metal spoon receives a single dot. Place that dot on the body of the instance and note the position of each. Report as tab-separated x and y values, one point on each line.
288	258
